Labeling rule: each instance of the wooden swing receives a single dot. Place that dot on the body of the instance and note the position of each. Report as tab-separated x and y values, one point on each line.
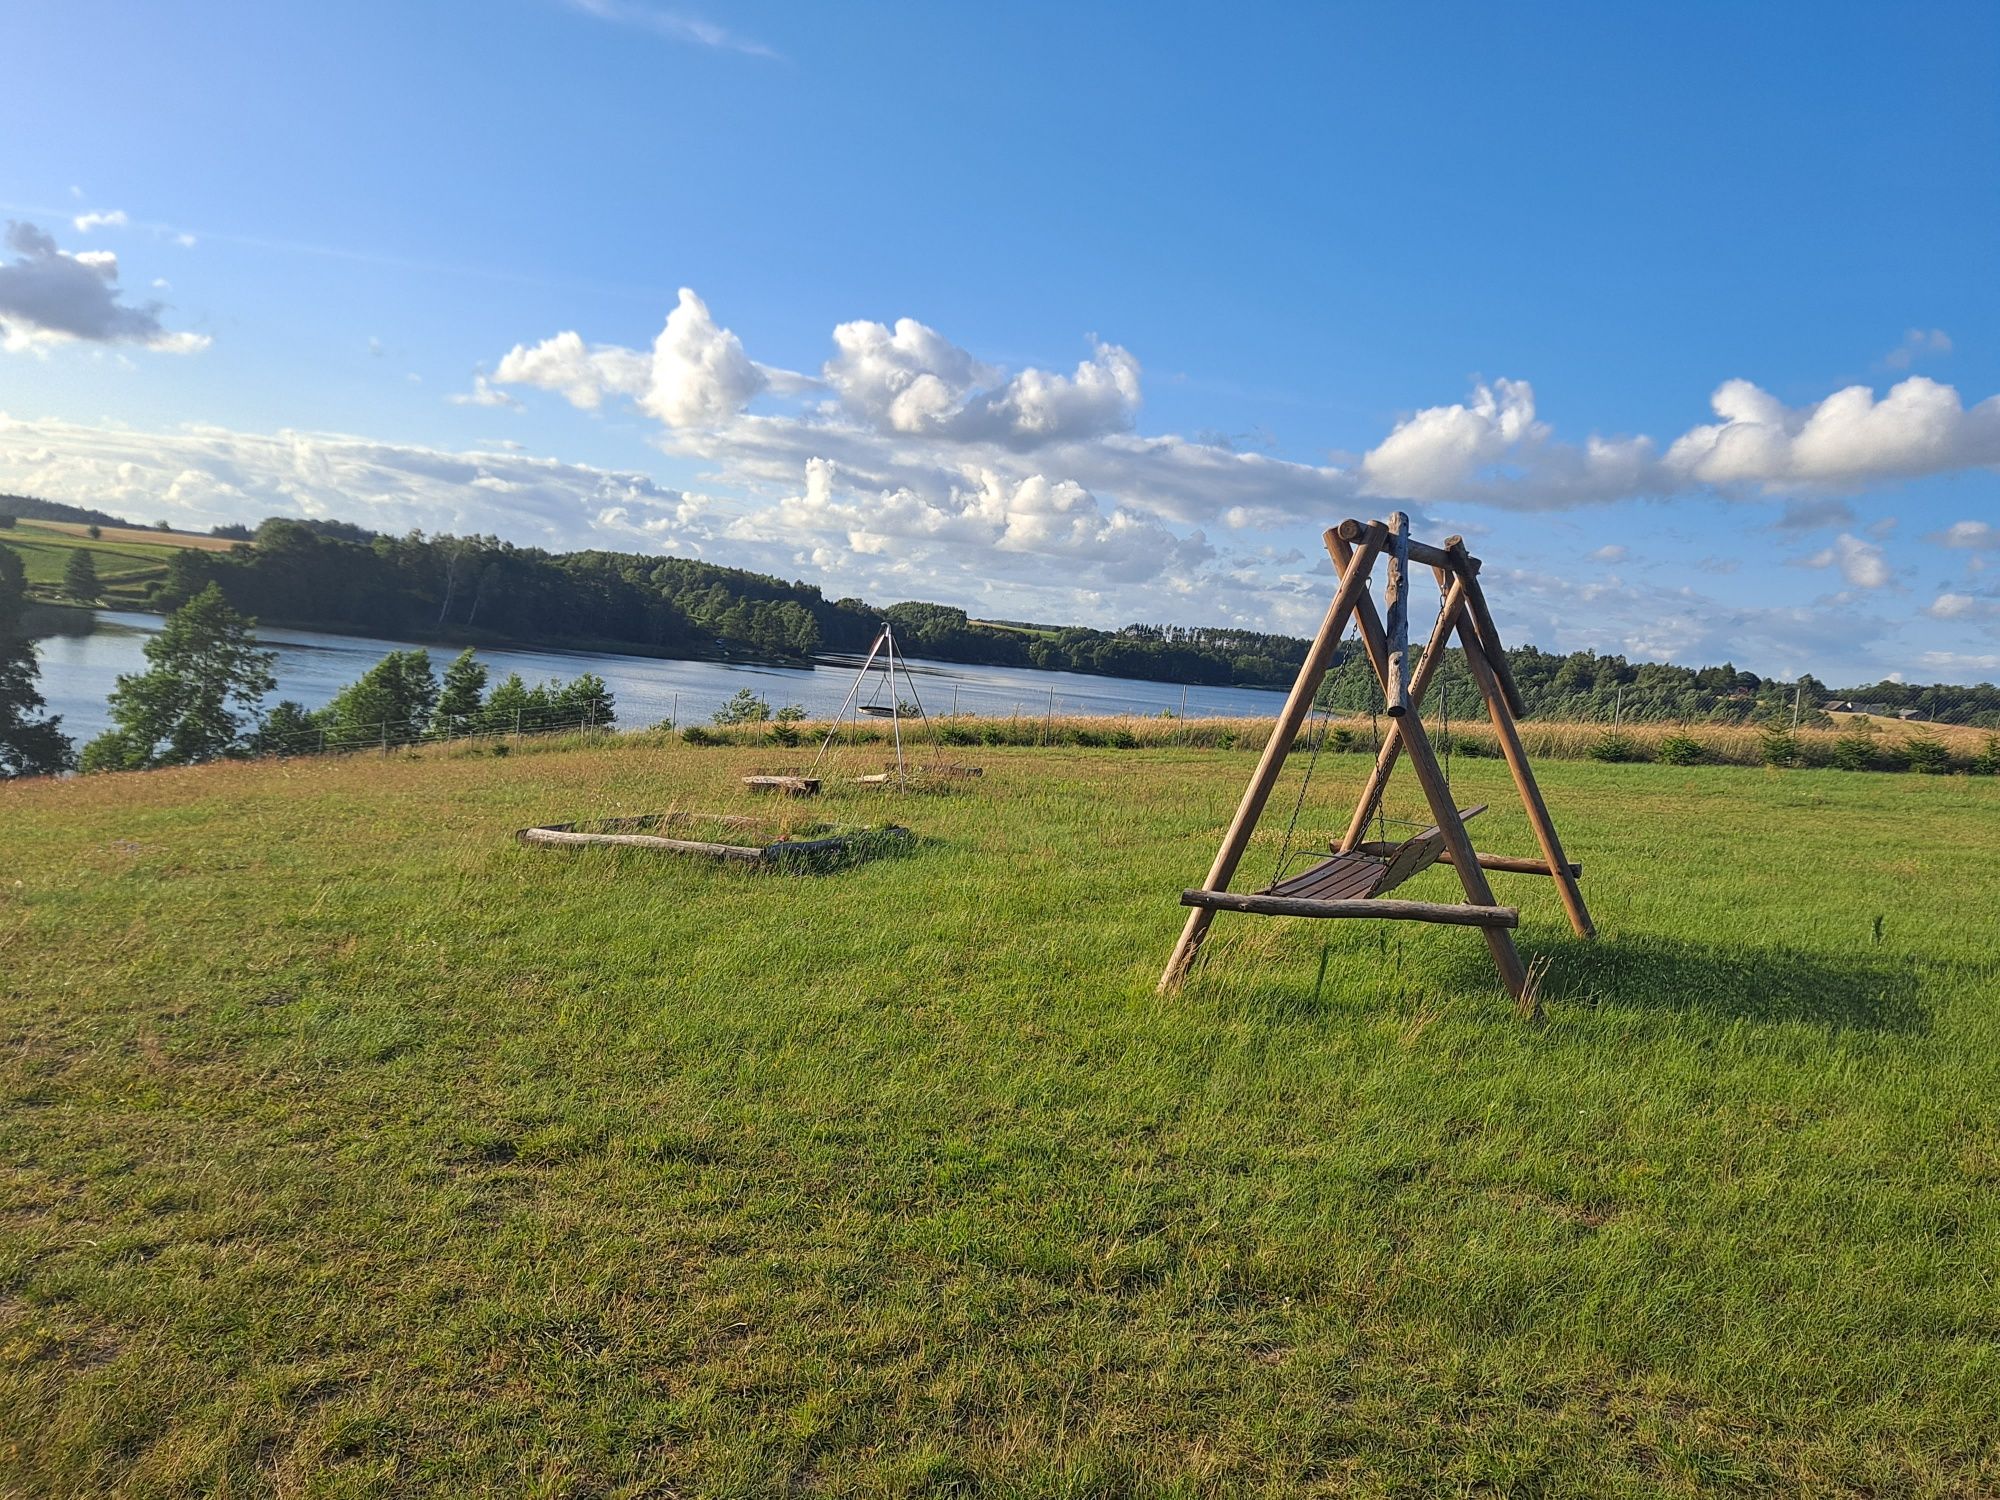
1354	878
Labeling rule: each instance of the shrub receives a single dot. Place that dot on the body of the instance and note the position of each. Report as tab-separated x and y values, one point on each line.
1343	740
694	734
1681	750
1987	761
745	708
1852	752
1927	756
1780	746
957	734
785	731
791	713
1614	746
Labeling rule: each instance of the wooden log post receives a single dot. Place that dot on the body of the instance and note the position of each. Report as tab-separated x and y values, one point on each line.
1444	812
1420	680
1466	566
1420	552
1516	755
1397	594
1353	588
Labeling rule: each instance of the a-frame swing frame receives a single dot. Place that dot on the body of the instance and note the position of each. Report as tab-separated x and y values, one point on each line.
1355	547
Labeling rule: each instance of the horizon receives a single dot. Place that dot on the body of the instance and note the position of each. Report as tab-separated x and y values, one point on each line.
1049	316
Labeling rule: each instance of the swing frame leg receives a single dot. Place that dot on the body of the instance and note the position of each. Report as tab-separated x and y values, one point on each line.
1355	569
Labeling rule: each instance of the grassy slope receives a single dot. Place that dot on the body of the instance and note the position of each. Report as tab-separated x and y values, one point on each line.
351	1149
125	557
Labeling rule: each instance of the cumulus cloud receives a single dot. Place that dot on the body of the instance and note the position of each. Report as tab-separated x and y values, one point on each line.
700	375
51	296
1861	563
1848	440
1494	450
113	220
1613	552
1955	606
583	374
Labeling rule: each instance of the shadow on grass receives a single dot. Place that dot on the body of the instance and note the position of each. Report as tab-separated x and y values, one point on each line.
1858	991
1848	991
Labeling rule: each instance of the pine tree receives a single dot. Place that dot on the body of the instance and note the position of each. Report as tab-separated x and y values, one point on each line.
80	577
208	677
464	694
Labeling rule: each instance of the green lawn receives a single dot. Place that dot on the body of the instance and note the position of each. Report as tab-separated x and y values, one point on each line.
349	1148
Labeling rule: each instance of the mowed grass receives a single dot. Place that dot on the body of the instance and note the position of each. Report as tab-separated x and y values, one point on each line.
351	1149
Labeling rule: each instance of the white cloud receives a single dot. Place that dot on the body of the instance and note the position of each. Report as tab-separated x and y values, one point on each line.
1959	665
483	393
700	375
1917	343
199	476
1861	563
1950	606
1972	536
1848	440
113	220
579	372
1613	552
50	296
670	25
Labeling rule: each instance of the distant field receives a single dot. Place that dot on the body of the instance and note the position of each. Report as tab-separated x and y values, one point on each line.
127	557
351	1149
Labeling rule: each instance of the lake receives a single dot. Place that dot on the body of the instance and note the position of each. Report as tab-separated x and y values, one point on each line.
78	672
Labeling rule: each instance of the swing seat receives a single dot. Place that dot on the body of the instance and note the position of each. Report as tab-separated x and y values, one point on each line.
879	711
1353	883
1358	875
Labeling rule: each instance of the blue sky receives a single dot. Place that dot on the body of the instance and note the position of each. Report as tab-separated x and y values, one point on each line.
1684	315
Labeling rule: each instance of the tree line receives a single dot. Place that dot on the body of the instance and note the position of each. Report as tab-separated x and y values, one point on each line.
201	699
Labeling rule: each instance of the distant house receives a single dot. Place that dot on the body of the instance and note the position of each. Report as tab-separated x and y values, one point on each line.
1912	715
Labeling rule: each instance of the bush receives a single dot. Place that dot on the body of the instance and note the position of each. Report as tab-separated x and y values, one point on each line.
694	734
784	732
1343	740
1614	746
1852	752
1780	746
1681	750
745	708
1927	756
1987	761
791	713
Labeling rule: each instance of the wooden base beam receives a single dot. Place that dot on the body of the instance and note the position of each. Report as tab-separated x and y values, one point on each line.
1381	908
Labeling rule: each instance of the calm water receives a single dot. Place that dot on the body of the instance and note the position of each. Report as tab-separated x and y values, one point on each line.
78	672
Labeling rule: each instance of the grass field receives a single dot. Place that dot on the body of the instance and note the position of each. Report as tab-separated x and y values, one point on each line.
350	1149
127	558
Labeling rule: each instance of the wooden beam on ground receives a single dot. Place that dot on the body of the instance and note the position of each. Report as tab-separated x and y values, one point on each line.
1516	755
1382	909
739	852
1466	567
1397	595
1353	588
791	786
1444	812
